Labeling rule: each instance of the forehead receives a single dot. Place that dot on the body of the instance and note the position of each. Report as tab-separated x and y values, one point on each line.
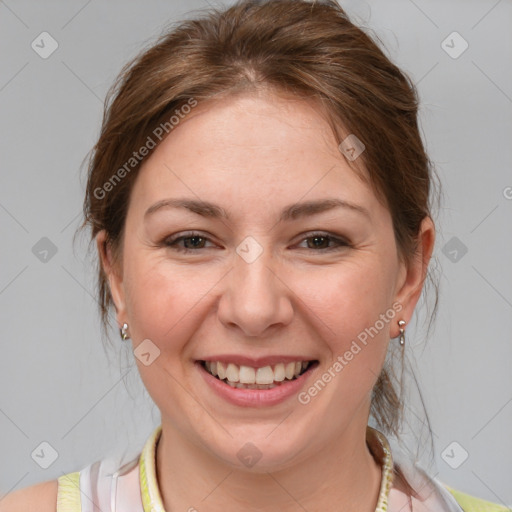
251	149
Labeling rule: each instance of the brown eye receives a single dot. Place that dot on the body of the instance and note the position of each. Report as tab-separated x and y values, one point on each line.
192	242
196	242
321	242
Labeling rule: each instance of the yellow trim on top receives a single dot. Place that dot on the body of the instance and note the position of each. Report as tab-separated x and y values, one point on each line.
150	493
68	494
472	504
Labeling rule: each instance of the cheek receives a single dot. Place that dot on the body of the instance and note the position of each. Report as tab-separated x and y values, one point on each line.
351	297
353	304
164	301
164	304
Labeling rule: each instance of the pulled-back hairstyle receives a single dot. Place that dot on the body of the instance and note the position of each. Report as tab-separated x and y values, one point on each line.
295	47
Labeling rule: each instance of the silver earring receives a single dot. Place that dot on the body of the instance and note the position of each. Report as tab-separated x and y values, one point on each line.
401	324
124	332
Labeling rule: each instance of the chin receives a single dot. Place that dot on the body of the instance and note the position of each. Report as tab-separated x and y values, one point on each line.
259	451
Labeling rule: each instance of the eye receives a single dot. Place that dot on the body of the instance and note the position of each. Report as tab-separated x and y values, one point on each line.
321	240
193	242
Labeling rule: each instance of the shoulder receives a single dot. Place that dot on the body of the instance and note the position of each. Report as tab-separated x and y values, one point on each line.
35	498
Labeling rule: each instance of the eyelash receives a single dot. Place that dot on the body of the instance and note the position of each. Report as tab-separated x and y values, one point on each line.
171	243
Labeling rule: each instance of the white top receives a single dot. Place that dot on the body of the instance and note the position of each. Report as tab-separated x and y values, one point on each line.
107	487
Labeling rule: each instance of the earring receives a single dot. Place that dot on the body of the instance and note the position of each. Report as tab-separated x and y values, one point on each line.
124	332
401	324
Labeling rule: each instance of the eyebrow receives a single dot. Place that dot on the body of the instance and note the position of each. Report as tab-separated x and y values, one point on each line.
290	212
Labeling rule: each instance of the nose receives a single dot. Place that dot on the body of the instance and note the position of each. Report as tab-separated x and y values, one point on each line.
256	298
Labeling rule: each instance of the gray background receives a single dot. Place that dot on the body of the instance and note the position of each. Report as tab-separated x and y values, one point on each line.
60	387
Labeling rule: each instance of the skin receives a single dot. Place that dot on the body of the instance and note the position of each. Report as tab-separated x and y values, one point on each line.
254	154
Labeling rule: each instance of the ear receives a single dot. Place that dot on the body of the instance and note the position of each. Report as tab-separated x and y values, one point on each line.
411	280
114	275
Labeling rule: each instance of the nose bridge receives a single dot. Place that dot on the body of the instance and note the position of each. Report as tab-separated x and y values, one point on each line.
255	298
253	273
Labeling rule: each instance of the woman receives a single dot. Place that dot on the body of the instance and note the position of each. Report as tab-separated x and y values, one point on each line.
259	197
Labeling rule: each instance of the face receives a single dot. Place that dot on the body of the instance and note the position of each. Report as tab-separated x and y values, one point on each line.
263	287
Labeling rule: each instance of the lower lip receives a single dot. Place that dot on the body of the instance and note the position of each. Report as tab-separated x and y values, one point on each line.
256	397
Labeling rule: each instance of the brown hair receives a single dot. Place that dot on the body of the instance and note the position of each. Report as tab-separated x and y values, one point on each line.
309	50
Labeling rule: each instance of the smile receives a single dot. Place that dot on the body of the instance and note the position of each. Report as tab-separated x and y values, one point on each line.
247	377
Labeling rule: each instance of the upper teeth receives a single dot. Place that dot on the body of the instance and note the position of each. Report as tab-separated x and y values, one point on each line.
250	375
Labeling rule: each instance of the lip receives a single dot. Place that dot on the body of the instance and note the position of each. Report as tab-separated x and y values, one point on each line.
256	397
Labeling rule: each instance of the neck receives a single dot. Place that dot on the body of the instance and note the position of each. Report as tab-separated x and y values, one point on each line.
342	476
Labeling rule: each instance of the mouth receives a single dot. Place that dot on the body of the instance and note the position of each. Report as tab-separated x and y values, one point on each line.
261	378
